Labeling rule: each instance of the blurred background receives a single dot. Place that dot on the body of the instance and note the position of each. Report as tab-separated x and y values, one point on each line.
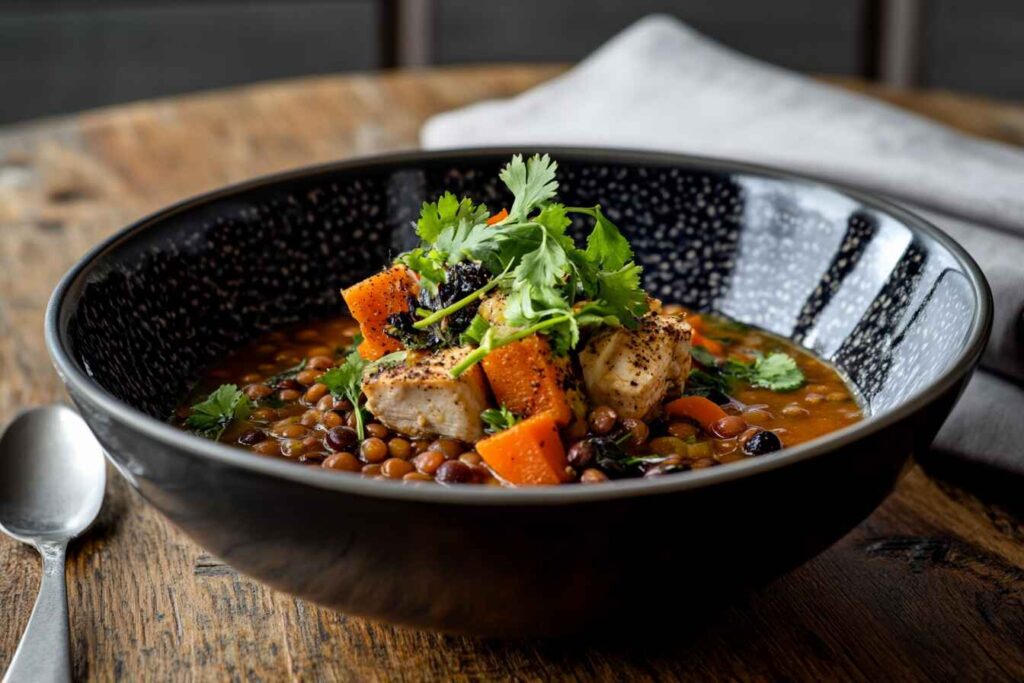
60	56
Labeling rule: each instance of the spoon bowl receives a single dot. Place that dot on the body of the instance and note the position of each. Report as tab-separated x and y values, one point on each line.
52	479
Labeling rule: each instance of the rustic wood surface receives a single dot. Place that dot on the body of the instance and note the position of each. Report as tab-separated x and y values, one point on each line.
931	586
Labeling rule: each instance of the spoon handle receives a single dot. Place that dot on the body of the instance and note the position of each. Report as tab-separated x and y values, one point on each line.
44	653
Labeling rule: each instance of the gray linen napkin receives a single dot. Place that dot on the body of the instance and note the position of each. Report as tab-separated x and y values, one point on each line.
661	85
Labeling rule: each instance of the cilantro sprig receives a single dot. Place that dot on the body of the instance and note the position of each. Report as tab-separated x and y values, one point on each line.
777	372
498	419
551	285
345	381
210	417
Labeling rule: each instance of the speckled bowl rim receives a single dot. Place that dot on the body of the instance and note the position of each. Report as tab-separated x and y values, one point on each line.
57	343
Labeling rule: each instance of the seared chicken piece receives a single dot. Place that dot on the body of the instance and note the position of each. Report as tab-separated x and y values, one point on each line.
632	370
419	398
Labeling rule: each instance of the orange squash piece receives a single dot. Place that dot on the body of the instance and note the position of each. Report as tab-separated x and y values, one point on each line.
525	378
527	454
712	346
371	302
701	410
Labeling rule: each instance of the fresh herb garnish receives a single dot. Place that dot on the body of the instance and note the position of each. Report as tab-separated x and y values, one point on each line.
498	419
211	417
532	260
345	381
448	211
777	371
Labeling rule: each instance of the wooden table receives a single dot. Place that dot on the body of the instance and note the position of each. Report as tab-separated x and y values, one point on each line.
930	586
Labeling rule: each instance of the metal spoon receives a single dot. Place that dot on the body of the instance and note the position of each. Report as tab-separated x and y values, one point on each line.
52	478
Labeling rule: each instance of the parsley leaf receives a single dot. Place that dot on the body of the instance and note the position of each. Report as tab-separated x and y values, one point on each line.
211	417
498	419
446	212
531	183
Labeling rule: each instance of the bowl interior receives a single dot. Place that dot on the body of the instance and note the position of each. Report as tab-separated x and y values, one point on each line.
891	307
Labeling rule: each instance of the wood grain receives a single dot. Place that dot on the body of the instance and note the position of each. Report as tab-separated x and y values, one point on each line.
931	586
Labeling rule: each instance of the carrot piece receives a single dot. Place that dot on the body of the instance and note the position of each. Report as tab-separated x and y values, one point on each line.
701	410
498	217
527	454
525	378
698	339
695	321
371	302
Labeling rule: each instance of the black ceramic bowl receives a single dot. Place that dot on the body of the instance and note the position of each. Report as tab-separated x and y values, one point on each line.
893	302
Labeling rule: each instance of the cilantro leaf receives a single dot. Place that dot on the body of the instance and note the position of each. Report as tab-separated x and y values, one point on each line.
531	183
498	419
776	371
446	212
429	265
554	218
345	381
544	267
619	294
211	417
467	241
606	246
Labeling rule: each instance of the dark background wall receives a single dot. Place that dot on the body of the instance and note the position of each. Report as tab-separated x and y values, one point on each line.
59	56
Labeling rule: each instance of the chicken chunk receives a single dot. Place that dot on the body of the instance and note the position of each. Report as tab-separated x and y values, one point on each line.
421	399
631	371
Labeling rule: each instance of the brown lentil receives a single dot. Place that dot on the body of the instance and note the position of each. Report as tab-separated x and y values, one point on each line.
320	363
728	426
269	447
428	461
315	393
308	378
471	458
602	419
257	391
593	476
452	448
331	419
639	431
373	450
395	468
399	448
